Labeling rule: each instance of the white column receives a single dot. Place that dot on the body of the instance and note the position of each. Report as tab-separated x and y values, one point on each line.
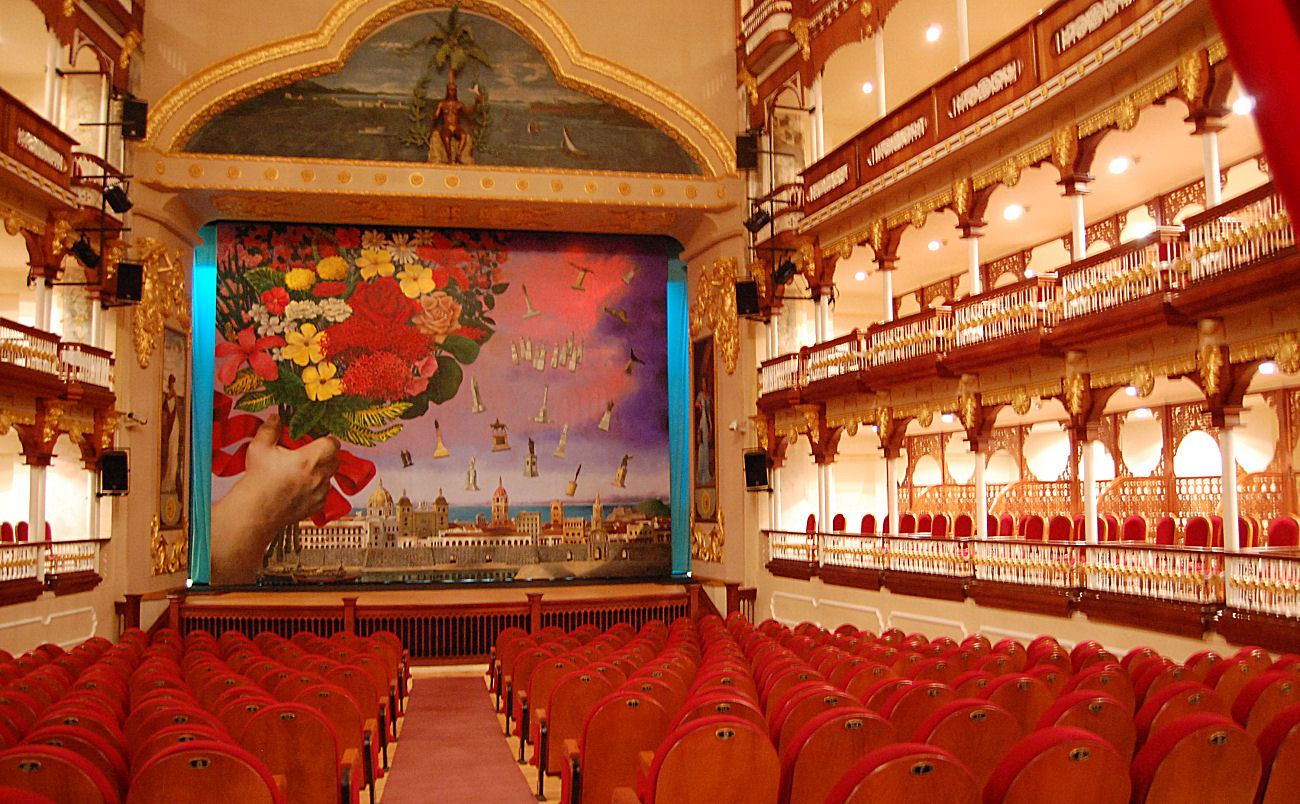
52	81
963	33
891	496
824	513
818	120
1090	492
981	499
44	297
887	289
1228	451
1078	226
1210	149
879	40
774	499
825	327
36	503
973	265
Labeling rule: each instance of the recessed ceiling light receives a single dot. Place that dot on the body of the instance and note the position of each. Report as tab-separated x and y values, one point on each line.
868	87
1243	105
933	33
1013	212
1142	413
1029	273
1131	390
948	418
1119	164
935	245
1268	367
860	275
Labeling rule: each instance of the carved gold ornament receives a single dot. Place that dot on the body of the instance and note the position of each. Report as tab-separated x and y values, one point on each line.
129	43
714	309
1077	393
961	196
799	28
1212	367
1194	77
750	83
805	256
707	543
163	296
1144	380
167	557
1065	148
970	411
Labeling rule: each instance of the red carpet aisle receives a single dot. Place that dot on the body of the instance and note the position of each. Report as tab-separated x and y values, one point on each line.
452	750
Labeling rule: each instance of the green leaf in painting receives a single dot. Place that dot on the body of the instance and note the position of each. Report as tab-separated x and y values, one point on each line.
445	382
500	288
260	400
306	419
461	348
262	279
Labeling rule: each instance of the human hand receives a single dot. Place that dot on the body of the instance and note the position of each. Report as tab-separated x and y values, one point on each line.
279	487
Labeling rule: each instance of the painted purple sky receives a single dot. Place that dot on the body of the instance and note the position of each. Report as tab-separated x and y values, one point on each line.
512	393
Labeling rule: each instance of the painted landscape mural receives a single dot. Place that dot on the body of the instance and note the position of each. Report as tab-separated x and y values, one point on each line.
446	87
500	397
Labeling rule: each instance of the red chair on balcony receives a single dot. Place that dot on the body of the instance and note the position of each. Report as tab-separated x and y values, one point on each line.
1135	529
21	532
868	526
1032	528
6	533
1216	531
1283	532
1166	531
907	523
1111	533
1060	529
811	525
1197	533
1022	525
1006	526
992	522
963	527
924	523
838	523
939	526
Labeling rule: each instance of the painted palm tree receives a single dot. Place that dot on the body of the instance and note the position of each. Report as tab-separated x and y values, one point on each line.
453	47
457	127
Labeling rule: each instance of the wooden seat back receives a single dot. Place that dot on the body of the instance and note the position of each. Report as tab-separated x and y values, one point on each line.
572	698
1095	712
714	760
826	746
1202	757
906	773
618	728
299	744
58	773
1279	748
202	772
1063	765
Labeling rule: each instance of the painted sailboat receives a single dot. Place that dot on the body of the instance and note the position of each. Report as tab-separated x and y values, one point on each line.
570	148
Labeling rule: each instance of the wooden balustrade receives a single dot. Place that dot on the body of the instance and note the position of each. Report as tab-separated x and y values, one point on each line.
1184	574
843	355
1134	270
1241	231
922	335
29	568
83	363
1013	561
780	374
1265	582
35	143
1030	304
29	347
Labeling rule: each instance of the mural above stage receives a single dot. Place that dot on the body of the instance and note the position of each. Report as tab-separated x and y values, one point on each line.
443	87
501	398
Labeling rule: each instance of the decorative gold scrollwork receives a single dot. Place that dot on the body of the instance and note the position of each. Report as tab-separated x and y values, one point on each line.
714	309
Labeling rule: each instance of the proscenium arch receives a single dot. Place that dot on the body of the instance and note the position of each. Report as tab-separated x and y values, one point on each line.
179	114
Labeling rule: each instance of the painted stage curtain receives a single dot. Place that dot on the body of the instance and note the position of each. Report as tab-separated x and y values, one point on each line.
1263	40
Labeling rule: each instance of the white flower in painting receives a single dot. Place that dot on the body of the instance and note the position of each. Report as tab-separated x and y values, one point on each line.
402	247
334	310
300	310
422	237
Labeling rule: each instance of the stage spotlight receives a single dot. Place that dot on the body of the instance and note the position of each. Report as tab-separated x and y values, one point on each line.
116	198
784	272
83	251
758	220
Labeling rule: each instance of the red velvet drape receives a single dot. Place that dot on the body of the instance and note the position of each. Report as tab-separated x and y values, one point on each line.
1263	38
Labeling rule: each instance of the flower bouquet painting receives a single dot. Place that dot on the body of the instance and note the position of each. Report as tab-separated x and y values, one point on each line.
349	332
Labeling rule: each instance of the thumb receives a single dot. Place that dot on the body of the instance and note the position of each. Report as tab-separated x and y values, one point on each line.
268	433
322	452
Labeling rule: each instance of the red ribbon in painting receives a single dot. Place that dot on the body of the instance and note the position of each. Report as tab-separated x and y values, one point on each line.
228	431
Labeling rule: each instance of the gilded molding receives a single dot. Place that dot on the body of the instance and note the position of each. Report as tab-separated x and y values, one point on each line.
799	28
714	309
167	557
750	83
1283	348
707	543
163	297
207	80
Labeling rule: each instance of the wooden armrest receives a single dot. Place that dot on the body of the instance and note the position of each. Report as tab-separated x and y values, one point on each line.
570	747
352	768
624	795
281	783
539	716
647	760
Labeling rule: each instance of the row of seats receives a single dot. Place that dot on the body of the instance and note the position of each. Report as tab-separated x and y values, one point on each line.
736	712
1199	531
172	719
10	533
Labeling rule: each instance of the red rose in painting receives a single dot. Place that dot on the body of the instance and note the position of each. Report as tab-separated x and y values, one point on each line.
439	315
382	303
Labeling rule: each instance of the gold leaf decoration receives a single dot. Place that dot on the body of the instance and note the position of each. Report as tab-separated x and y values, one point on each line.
163	296
714	309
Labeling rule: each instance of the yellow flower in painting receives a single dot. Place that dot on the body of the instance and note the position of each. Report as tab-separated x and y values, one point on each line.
332	268
375	262
304	346
416	280
320	382
300	279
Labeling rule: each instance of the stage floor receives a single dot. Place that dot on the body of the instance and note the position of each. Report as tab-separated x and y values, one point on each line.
439	595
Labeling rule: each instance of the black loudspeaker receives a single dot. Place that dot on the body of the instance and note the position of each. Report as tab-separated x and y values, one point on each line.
747	298
114	472
130	282
756	471
747	150
135	119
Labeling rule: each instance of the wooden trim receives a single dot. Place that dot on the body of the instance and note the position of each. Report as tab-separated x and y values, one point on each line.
1183	619
1019	597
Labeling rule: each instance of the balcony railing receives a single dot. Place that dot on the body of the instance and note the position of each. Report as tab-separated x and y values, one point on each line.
1233	235
65	361
35	143
1265	582
1030	304
1237	233
27	568
1123	274
1181	574
1046	564
921	335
